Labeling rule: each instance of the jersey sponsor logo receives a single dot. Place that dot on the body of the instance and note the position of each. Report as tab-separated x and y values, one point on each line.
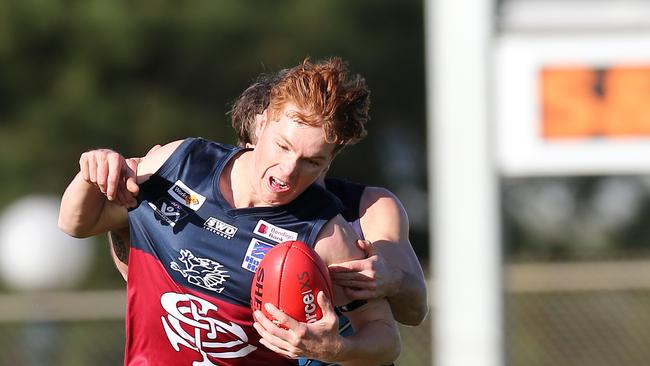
190	322
257	249
219	227
183	194
272	232
202	272
168	211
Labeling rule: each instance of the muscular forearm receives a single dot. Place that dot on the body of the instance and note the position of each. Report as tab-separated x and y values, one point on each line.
81	208
409	305
377	343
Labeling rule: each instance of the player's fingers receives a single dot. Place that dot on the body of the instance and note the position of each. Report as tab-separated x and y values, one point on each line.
358	294
83	167
350	276
325	306
131	181
115	166
92	167
371	285
102	173
350	266
121	197
270	331
133	163
271	326
276	349
124	197
281	317
366	246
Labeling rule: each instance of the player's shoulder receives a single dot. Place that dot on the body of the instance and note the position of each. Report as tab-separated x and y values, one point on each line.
336	242
380	202
168	157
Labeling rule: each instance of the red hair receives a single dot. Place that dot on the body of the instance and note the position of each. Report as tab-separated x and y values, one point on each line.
325	98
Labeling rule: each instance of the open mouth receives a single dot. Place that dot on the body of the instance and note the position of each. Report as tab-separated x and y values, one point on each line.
278	185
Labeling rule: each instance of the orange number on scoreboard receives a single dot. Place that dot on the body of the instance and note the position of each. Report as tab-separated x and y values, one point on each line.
586	102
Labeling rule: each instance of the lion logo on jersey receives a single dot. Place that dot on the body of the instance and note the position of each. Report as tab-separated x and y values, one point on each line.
202	272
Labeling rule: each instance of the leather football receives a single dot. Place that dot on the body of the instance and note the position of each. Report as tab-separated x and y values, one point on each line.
290	276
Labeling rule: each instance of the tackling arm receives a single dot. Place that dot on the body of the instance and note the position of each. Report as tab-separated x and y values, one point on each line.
376	336
391	268
385	223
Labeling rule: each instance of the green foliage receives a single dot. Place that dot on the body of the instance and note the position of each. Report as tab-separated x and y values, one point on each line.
97	73
78	75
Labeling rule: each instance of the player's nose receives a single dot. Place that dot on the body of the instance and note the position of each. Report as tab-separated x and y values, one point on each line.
290	168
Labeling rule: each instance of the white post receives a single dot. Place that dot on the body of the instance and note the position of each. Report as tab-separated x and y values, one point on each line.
465	244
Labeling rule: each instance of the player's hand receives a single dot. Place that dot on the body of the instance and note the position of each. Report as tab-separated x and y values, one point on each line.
368	278
319	340
131	183
109	171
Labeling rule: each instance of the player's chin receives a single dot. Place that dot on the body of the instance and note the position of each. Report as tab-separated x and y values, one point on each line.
279	199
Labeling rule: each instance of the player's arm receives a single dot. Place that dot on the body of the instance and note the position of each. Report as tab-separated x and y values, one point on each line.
376	337
89	205
85	206
392	269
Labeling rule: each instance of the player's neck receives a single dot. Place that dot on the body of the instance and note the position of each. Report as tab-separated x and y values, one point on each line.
235	181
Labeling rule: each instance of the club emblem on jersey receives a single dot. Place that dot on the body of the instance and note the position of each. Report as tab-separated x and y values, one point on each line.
190	323
219	227
168	211
275	233
183	194
202	272
256	251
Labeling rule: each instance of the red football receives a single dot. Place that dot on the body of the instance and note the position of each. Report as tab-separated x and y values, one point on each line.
290	276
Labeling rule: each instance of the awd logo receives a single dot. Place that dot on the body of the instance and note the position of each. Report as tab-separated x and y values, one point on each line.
220	228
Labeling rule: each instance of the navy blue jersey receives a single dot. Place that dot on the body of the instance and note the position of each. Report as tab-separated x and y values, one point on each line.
349	193
193	257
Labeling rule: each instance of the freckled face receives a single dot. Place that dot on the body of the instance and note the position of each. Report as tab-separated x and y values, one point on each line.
288	158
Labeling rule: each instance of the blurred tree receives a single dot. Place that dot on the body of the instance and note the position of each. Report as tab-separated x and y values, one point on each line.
77	75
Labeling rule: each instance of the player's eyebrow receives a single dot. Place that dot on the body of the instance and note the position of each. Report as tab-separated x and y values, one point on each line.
286	141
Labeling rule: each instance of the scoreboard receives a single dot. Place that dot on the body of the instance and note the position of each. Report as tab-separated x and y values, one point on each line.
572	105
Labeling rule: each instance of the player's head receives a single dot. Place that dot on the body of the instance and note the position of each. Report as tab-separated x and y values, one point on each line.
314	111
326	97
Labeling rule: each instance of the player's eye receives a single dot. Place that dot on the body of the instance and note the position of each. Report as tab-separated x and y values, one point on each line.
313	163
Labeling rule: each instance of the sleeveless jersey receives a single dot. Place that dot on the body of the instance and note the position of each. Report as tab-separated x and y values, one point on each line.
349	194
193	257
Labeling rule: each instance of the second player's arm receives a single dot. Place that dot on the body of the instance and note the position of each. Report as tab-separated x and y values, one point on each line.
376	336
385	223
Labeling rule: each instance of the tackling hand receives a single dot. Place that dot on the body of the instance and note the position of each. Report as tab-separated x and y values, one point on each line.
368	278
